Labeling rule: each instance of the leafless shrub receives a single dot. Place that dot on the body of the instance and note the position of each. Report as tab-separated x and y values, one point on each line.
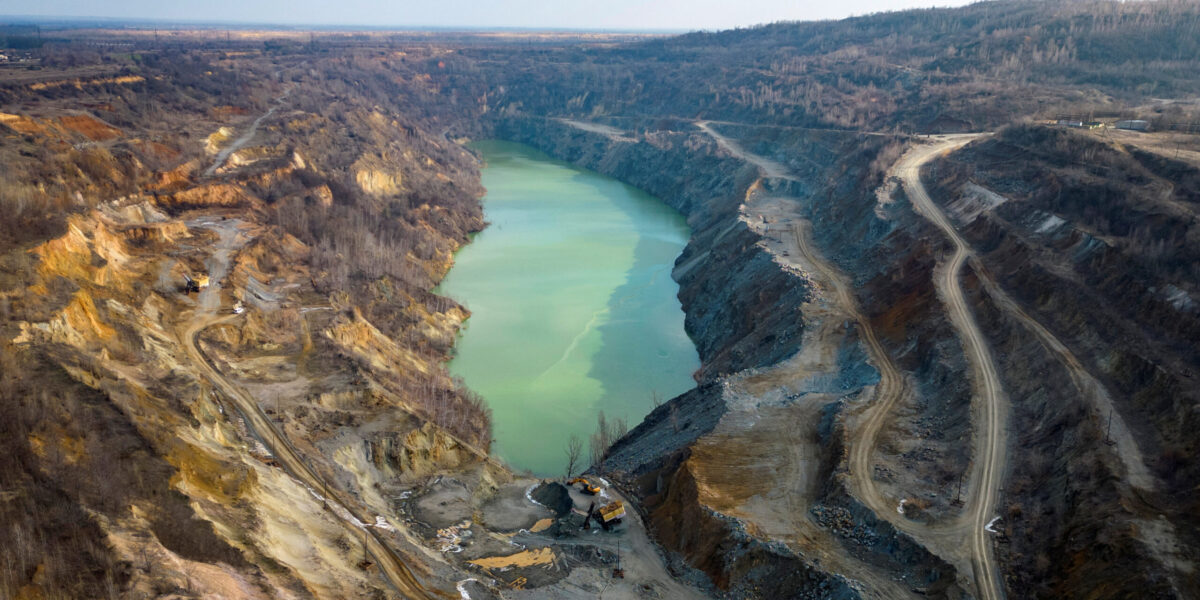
607	433
574	453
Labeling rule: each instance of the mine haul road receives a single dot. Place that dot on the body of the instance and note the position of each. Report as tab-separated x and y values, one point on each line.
224	154
990	436
991	403
390	563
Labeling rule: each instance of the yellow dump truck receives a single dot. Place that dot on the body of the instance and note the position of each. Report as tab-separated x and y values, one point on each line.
611	513
194	285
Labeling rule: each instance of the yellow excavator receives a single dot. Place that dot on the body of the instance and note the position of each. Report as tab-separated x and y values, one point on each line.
587	486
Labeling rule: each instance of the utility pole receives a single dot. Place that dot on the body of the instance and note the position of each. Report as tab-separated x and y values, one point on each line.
1108	430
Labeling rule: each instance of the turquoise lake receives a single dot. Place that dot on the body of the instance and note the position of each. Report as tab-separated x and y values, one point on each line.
573	309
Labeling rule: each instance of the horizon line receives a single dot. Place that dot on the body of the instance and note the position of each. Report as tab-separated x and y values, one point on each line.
43	20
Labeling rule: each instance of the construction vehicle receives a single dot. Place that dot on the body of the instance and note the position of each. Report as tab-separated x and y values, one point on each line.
611	514
587	486
194	285
608	515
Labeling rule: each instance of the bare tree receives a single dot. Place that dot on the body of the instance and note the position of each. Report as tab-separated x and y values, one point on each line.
598	443
619	429
607	433
574	452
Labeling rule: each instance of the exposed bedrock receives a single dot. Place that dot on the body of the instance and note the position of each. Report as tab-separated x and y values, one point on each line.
732	329
1085	284
746	312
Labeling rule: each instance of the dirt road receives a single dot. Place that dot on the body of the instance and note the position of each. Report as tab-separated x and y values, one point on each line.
888	392
991	435
770	168
246	136
230	239
1090	388
945	537
797	452
611	133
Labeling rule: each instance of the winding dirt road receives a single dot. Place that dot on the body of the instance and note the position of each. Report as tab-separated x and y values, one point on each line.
770	168
943	537
224	153
891	388
1128	451
230	240
990	440
990	434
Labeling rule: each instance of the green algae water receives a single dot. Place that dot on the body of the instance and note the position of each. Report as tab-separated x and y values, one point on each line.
573	309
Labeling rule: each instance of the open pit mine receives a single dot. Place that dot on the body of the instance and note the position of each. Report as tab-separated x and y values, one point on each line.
893	307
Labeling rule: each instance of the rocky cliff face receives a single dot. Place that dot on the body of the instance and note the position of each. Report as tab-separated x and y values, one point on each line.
704	465
732	330
1072	503
288	429
1086	283
134	404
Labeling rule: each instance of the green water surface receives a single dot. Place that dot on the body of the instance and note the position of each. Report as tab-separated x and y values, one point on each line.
573	306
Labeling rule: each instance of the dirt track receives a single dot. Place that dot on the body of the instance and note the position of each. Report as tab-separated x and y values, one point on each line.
611	133
945	537
205	316
769	167
778	216
794	445
990	432
246	136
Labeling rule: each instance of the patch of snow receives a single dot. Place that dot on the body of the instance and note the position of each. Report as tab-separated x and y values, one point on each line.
991	526
462	588
900	509
1179	298
1049	225
337	509
1086	247
529	496
975	201
604	485
382	523
261	449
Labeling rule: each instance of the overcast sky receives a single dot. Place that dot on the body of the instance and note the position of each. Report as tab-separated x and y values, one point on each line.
575	14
